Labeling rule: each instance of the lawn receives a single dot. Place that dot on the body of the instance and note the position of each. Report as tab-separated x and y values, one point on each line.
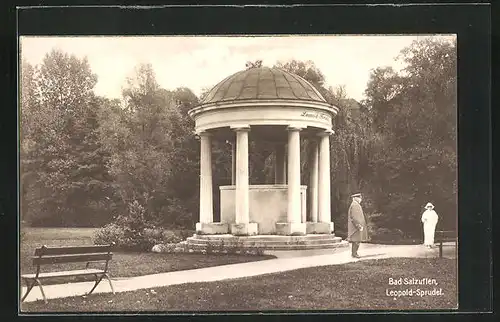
355	286
124	264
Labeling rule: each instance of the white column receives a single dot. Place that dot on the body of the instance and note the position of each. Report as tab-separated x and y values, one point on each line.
294	204
279	164
233	163
285	165
303	204
242	197
324	214
206	198
313	182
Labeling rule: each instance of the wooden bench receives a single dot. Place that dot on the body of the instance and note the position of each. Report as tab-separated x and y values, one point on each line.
45	256
442	236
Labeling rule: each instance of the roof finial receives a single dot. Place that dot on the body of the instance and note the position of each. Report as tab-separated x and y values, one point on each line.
255	64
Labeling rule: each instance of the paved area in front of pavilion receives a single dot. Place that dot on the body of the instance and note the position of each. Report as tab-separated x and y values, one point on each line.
285	261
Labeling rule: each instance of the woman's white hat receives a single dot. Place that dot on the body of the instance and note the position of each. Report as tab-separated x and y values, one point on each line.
429	205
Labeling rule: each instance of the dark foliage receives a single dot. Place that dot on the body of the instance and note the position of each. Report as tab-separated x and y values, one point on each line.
85	159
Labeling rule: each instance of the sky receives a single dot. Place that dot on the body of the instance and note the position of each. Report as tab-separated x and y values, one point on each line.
200	62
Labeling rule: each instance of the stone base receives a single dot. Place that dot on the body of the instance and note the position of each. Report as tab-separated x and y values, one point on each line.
290	229
319	227
248	229
213	228
228	243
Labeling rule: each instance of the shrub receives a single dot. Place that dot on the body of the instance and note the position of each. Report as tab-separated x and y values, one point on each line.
111	233
143	241
132	232
164	248
161	236
134	221
128	231
153	235
212	248
171	237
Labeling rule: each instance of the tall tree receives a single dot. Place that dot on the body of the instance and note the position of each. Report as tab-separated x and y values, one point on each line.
153	159
306	70
29	121
416	113
384	85
185	159
63	161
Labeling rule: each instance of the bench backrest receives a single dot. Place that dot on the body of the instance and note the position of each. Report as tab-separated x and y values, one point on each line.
56	255
446	234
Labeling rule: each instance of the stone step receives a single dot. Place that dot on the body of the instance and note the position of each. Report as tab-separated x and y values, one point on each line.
264	243
263	237
286	247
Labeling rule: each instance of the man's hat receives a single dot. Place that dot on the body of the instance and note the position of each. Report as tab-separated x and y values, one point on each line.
429	205
356	195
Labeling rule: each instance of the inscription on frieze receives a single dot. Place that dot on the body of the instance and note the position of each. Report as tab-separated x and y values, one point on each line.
316	115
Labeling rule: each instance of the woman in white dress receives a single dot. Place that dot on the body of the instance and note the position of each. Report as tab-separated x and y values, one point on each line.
429	220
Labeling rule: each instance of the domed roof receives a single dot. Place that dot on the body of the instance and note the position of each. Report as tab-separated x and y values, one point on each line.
262	83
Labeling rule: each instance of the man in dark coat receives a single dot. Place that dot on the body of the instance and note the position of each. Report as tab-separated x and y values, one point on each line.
356	225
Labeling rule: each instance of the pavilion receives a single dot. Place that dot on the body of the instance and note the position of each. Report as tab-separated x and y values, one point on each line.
279	107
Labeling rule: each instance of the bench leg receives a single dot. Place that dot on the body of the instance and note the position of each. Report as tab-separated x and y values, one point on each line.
441	249
41	290
29	287
110	284
98	280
